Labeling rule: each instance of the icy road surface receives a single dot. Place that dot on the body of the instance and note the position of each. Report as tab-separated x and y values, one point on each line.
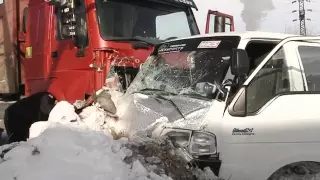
70	147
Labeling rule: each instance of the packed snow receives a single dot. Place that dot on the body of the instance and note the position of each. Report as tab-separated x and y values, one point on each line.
83	146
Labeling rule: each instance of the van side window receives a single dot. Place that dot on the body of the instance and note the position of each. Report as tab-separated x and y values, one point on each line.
24	20
310	58
257	51
270	81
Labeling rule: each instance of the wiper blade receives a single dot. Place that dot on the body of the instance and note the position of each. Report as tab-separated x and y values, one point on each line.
154	90
197	96
173	104
152	42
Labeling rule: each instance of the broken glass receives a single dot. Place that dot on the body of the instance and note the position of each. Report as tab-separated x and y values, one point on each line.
188	71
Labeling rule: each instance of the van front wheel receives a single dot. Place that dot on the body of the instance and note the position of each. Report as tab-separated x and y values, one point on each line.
306	170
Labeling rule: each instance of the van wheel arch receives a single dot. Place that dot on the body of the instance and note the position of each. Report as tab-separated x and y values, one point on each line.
301	168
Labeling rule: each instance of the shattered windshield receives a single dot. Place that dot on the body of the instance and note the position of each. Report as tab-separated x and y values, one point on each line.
194	67
146	19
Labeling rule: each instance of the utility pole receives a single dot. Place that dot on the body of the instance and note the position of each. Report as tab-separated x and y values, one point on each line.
302	16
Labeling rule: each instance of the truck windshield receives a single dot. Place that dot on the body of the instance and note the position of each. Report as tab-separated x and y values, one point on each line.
120	19
180	67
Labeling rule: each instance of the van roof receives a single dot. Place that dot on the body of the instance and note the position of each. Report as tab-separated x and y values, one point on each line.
244	35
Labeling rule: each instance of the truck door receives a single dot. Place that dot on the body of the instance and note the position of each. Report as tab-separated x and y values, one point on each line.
219	22
272	120
67	59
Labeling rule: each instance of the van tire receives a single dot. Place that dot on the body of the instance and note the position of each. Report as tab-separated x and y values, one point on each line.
296	171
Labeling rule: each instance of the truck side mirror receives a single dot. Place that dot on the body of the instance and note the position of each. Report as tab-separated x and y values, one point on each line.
240	63
81	31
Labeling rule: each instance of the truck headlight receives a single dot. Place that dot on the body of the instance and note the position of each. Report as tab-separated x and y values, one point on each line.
202	143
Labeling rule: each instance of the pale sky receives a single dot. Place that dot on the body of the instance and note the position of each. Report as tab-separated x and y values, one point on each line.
277	20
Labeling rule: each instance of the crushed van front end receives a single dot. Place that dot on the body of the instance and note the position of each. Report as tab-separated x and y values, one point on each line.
198	148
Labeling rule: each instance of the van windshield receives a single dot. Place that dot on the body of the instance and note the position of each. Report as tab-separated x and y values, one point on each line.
145	19
183	66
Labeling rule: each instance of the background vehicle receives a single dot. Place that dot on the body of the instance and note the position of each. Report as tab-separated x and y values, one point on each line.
242	127
214	18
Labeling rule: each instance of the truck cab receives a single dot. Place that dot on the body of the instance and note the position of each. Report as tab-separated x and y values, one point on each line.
68	48
230	101
71	45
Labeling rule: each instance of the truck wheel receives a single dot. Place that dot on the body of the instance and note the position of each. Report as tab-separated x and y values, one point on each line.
306	170
20	115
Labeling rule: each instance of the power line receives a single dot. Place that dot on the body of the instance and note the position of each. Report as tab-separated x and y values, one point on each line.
302	15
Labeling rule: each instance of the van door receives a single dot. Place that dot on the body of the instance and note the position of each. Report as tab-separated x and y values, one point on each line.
272	121
219	22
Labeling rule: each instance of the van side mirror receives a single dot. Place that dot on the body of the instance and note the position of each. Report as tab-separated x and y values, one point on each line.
240	64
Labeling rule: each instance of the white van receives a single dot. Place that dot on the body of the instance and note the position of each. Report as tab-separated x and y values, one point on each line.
245	104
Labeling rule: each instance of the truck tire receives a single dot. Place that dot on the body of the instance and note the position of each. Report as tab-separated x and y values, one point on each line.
20	115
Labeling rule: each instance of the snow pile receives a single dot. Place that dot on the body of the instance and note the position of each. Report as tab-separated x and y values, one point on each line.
70	146
65	153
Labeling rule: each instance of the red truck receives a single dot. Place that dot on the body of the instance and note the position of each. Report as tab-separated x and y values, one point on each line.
63	49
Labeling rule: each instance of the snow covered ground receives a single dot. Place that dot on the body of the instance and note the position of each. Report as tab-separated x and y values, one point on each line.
82	147
79	147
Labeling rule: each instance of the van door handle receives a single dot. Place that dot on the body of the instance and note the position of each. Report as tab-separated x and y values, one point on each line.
54	54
